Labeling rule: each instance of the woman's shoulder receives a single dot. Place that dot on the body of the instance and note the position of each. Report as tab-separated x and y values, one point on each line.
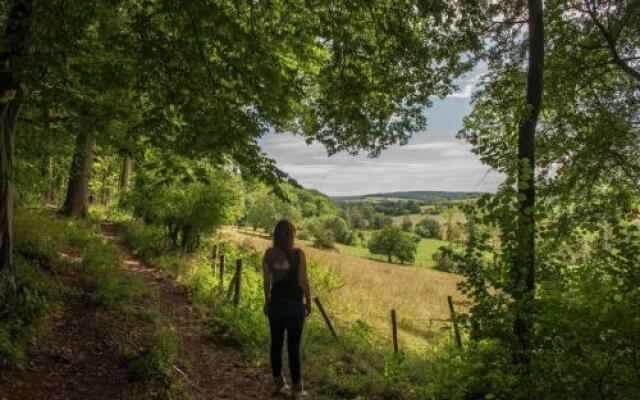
273	252
298	251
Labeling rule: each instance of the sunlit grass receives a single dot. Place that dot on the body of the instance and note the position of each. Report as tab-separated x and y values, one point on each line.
371	288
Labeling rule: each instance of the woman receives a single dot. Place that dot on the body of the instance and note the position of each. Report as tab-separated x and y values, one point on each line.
285	285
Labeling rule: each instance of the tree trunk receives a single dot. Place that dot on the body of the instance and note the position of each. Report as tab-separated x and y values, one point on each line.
523	267
48	179
9	115
12	94
106	193
47	162
76	203
124	178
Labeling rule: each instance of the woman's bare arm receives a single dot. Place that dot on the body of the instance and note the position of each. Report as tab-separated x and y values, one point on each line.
303	279
266	285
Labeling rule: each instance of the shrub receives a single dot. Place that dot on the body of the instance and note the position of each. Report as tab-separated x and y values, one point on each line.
428	228
264	209
187	206
406	225
328	229
444	261
323	238
483	370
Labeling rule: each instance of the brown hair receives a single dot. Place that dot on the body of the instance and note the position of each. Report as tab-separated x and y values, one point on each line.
283	235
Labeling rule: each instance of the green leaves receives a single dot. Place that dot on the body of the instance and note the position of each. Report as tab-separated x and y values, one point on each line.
393	242
187	198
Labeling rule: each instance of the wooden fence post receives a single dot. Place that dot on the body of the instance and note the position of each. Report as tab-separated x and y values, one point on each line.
221	271
214	259
394	331
454	322
326	318
237	281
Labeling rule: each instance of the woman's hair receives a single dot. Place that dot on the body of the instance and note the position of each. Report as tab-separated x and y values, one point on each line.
283	235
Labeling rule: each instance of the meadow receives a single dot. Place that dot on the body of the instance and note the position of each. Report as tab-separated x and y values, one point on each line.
424	253
369	289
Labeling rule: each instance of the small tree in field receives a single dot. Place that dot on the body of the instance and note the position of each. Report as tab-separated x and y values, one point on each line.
407	225
428	228
392	242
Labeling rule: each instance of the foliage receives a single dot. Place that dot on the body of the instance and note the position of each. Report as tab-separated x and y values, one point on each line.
187	199
481	371
586	310
393	242
156	362
428	228
264	209
406	225
358	365
40	241
328	229
443	260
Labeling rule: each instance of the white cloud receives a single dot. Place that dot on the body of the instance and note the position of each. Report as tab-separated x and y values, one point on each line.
430	146
433	160
466	93
469	85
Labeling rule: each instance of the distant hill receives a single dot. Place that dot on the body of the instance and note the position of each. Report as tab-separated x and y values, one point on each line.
425	195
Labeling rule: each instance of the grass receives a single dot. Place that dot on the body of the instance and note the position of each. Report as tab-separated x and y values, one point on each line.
418	294
56	257
424	253
362	363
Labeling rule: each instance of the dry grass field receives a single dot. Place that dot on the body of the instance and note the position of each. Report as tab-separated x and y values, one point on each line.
370	289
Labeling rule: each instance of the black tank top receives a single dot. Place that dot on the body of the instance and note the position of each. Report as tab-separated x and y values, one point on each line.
286	285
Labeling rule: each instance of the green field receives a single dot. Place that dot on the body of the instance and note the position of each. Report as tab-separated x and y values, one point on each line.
426	249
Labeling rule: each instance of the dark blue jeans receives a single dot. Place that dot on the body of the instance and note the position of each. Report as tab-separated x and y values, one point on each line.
286	316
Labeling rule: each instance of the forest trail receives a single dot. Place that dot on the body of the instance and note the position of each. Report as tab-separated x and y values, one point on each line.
78	357
211	370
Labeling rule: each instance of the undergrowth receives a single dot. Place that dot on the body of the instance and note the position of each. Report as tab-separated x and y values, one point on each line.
55	257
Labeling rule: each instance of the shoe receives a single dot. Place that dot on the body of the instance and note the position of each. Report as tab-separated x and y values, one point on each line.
298	392
280	386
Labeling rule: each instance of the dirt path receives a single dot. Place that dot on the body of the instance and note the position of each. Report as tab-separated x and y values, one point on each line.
211	370
80	355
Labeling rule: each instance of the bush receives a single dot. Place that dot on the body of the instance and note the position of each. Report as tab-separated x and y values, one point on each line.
188	205
483	370
323	238
428	228
407	225
444	261
264	209
328	229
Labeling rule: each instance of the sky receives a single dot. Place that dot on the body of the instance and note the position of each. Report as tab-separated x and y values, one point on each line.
432	160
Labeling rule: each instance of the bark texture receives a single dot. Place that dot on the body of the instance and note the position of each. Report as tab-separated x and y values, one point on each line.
48	180
124	178
76	203
523	268
12	89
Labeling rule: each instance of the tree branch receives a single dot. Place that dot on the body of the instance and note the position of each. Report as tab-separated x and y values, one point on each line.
610	41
